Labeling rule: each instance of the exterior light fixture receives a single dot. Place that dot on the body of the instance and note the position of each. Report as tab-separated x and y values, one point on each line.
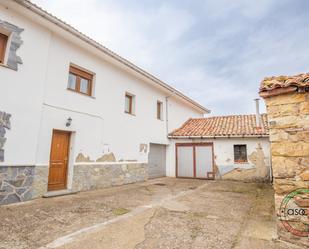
69	122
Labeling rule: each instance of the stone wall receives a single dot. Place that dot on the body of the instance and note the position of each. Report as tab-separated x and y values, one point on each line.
95	176
40	181
288	116
16	42
22	183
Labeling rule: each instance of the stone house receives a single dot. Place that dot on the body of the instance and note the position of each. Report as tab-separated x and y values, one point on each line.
287	102
225	147
74	115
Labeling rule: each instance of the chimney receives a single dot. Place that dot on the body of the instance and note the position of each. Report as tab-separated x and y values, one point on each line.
257	113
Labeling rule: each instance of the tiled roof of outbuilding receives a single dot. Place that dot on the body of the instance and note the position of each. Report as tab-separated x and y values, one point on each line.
223	126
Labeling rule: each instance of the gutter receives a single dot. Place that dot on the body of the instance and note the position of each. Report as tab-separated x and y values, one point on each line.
39	11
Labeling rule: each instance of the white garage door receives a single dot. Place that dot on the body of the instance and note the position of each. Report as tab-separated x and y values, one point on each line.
195	160
157	160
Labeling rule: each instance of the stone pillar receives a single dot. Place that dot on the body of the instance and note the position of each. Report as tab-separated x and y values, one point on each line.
288	116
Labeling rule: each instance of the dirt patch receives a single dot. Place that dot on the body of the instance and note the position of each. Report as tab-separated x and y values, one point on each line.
32	224
177	213
120	211
160	184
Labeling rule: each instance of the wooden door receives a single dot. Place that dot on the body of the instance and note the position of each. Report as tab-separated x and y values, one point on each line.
57	178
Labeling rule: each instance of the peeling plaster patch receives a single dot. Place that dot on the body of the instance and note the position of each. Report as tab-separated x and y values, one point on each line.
257	157
4	124
110	157
217	172
143	148
16	42
81	158
259	172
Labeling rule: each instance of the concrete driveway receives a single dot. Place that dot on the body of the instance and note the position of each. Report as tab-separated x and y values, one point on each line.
162	213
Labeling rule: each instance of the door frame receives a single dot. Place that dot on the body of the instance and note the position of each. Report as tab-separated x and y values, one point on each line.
210	175
68	156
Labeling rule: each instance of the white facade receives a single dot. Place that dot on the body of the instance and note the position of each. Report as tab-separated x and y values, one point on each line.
36	96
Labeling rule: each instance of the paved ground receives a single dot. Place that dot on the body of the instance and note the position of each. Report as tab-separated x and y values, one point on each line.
162	213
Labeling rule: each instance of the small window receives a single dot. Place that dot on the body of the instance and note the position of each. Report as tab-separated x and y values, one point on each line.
129	103
3	43
240	153
80	81
159	110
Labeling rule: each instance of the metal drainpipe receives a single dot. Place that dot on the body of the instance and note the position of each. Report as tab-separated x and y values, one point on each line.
257	114
166	114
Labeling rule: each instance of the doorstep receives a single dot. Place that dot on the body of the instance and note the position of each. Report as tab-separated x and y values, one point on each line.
59	193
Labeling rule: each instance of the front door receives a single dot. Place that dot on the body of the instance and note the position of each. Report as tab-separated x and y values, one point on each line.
57	178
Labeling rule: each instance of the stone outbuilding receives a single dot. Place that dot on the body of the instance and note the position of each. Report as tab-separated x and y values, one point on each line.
287	102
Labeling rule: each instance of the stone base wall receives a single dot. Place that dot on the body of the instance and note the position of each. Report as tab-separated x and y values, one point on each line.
20	183
23	183
40	181
288	115
87	177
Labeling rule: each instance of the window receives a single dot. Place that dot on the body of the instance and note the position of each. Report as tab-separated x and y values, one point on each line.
3	43
159	110
129	103
80	81
240	153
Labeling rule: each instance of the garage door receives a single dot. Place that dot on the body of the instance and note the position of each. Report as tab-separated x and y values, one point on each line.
156	160
194	160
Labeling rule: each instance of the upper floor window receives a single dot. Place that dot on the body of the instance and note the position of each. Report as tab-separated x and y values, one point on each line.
159	110
80	81
129	103
3	43
240	153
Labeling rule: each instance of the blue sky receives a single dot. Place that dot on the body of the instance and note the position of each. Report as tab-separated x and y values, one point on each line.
215	51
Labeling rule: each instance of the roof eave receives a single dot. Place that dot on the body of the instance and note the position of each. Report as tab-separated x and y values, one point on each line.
264	93
220	136
129	65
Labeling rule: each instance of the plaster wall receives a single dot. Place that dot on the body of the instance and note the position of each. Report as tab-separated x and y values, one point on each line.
258	152
38	101
37	98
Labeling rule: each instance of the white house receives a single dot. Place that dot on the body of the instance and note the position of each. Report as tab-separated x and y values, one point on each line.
225	147
73	114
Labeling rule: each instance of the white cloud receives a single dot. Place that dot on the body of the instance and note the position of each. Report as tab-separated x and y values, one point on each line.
217	52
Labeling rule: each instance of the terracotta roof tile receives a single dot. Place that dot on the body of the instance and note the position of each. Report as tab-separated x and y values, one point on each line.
271	83
235	125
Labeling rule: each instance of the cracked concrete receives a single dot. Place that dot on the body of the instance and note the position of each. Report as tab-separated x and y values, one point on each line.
163	213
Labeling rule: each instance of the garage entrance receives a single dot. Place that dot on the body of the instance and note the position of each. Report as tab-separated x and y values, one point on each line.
195	160
157	160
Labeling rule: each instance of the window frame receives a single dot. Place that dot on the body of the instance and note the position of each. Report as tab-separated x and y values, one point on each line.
160	110
239	160
4	47
131	98
80	73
